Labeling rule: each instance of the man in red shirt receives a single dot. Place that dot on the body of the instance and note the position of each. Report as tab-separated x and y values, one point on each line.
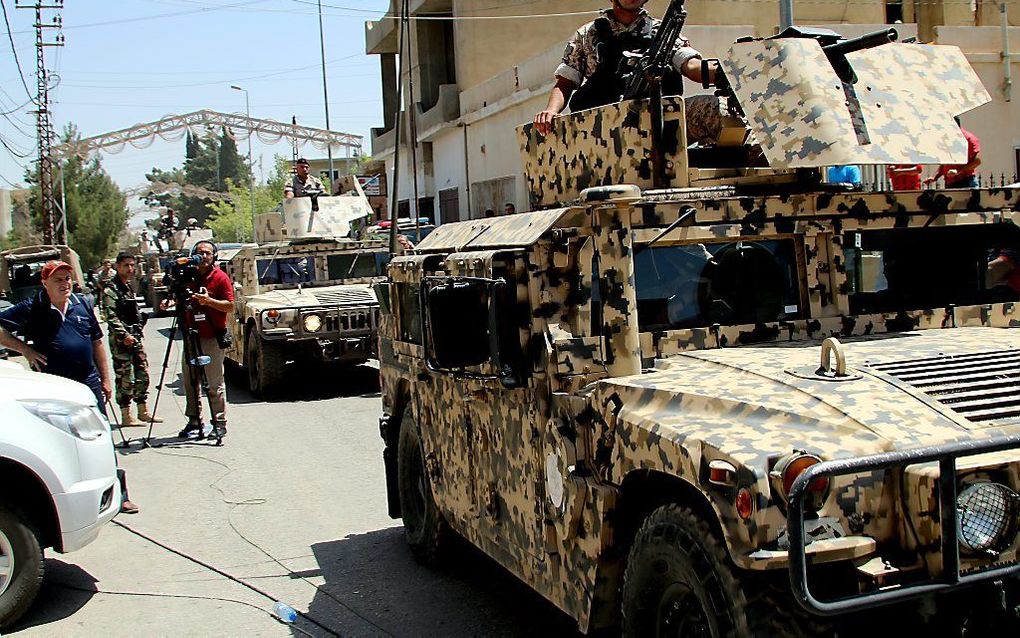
905	177
962	176
212	300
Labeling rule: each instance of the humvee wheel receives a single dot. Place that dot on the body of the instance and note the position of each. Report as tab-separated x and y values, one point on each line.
264	362
679	583
424	527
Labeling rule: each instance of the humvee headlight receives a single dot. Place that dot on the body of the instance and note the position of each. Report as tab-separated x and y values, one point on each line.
987	515
312	323
786	471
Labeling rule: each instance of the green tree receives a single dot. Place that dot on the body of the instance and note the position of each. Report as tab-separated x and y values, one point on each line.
96	208
231	219
209	160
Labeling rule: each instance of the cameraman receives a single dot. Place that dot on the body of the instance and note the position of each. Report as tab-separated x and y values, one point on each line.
212	299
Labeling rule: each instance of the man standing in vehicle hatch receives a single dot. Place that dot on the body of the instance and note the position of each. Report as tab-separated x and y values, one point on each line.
590	73
130	365
302	184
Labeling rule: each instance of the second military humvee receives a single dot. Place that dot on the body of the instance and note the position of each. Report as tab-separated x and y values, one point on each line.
734	401
304	293
20	269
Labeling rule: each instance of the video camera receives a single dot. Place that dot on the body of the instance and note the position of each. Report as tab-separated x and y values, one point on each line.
182	271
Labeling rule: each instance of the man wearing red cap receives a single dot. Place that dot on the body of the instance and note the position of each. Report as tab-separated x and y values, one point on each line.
66	337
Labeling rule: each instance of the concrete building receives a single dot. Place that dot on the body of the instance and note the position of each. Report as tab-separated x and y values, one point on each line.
475	80
9	217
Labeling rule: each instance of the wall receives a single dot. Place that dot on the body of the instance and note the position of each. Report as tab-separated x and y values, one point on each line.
6	212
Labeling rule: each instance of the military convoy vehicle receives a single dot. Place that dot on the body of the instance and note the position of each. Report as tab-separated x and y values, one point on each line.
304	292
20	269
713	398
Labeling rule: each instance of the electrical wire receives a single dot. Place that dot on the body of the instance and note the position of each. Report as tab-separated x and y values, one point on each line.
151	594
14	50
217	570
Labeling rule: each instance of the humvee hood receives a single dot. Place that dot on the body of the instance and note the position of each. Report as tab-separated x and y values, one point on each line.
345	295
757	401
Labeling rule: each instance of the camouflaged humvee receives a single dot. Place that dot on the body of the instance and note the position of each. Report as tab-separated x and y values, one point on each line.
301	293
20	269
737	404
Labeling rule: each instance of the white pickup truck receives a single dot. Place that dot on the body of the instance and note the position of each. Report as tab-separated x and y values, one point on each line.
58	479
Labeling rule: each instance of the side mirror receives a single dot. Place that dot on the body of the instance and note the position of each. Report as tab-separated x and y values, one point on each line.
382	295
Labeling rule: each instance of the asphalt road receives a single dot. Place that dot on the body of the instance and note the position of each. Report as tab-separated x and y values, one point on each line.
293	505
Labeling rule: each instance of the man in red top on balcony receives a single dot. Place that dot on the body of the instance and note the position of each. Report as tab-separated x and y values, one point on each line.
904	177
962	176
212	300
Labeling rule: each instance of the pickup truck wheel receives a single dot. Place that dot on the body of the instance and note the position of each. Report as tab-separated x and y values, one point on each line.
21	567
265	363
679	583
424	527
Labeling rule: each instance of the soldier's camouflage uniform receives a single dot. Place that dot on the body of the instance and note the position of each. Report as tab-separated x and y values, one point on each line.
130	364
298	188
580	59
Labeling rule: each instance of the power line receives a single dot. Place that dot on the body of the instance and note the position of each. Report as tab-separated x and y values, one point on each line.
14	50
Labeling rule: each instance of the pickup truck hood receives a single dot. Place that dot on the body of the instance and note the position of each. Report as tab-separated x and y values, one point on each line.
345	295
17	383
758	401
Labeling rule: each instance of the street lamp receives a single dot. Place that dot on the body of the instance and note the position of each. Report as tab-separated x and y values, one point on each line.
251	166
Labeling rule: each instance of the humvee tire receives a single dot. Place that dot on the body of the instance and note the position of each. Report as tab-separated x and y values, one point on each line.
425	529
264	362
678	582
21	566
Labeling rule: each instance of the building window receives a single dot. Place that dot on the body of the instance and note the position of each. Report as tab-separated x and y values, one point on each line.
492	195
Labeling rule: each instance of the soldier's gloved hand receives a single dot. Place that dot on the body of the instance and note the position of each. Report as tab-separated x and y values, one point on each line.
130	341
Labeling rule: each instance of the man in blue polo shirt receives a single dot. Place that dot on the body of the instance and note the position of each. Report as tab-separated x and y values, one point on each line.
66	339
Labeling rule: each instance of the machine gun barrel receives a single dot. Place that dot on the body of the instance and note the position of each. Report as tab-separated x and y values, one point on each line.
866	41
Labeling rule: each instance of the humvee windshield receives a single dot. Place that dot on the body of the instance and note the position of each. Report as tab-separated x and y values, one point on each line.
286	270
733	282
357	265
919	268
25	278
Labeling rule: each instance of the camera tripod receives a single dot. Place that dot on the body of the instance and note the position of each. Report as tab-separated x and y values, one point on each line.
195	359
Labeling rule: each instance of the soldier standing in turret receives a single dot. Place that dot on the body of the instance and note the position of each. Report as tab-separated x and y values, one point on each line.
590	73
130	365
303	184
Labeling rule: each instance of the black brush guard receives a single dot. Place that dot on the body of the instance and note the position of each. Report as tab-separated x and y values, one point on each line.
950	579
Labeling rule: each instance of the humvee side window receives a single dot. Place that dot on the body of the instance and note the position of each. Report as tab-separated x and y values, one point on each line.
353	265
26	275
736	282
285	270
919	268
408	312
458	317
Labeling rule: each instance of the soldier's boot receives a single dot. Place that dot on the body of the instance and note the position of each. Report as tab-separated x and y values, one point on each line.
145	416
126	420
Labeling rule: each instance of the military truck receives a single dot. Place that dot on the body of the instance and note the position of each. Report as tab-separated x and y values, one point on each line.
304	291
725	399
20	269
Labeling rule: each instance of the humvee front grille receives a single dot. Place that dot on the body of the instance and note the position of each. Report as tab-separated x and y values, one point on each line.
982	387
359	320
345	296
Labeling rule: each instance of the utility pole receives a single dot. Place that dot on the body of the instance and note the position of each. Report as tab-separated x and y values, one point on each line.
43	124
325	95
251	166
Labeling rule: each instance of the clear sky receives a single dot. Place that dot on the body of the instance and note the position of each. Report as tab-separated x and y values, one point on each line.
132	61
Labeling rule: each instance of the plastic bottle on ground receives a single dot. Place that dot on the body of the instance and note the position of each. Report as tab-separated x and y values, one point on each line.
284	612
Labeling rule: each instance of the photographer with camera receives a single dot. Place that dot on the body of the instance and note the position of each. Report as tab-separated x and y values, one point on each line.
204	296
124	322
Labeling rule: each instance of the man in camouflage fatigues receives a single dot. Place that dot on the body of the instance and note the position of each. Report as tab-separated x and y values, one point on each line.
302	184
130	364
584	80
